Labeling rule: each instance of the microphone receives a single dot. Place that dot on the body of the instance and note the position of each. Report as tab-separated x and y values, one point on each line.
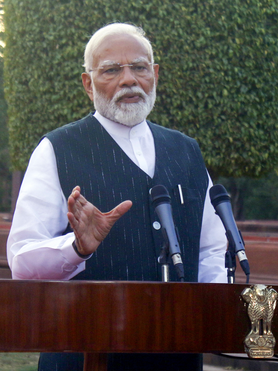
222	205
161	201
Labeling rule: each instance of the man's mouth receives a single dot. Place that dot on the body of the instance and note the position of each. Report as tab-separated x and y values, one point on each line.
130	98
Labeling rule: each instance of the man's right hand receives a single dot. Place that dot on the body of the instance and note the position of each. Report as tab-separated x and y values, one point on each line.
89	224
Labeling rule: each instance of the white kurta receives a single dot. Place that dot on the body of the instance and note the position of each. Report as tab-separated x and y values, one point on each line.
36	248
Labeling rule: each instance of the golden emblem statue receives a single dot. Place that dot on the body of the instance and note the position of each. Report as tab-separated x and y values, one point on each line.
260	342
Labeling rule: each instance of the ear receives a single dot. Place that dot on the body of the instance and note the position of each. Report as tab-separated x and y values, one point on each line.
87	83
156	69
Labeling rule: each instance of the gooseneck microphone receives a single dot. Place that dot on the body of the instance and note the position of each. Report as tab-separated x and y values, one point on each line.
222	205
161	202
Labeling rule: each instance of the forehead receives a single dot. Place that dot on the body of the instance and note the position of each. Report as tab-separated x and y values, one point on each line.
120	49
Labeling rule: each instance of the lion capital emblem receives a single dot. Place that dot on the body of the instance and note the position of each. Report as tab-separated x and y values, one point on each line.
261	300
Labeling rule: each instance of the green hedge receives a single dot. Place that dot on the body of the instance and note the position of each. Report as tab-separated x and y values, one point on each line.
218	77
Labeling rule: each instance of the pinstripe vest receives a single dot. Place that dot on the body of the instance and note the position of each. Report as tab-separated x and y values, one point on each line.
88	156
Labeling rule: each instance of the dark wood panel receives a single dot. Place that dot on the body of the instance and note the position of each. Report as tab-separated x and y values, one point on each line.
122	317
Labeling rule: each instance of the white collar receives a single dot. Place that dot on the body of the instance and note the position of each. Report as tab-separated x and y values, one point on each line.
116	129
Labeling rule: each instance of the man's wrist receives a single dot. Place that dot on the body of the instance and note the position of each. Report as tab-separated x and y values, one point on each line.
78	253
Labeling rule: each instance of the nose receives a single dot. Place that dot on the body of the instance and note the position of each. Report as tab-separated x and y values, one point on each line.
127	78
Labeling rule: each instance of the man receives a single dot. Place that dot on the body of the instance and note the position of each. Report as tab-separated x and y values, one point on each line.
114	157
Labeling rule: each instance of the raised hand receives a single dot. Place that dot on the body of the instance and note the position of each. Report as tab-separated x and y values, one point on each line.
89	224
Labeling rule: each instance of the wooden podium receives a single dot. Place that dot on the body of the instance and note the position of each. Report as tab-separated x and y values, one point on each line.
101	317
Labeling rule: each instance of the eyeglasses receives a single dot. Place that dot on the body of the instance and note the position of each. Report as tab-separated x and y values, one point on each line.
110	71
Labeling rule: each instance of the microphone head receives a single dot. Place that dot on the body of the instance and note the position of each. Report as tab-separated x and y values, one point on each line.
159	194
218	194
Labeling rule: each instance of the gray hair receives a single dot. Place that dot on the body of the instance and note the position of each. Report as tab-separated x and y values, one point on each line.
113	29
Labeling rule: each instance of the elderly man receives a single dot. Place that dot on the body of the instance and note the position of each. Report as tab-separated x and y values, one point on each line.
62	228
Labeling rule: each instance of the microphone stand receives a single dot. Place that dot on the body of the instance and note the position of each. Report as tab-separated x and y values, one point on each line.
230	263
230	259
163	259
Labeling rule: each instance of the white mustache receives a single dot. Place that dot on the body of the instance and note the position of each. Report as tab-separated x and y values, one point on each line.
125	91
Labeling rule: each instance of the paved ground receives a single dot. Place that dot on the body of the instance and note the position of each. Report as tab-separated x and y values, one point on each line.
215	368
232	362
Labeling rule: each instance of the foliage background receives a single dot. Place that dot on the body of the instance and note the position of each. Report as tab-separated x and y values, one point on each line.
218	77
5	174
253	199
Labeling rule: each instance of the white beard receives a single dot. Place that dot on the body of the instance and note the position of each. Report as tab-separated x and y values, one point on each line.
128	114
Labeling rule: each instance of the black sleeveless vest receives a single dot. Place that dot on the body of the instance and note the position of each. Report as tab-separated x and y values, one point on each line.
87	156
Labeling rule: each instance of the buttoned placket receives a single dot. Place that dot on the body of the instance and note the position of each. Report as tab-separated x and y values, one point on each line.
137	149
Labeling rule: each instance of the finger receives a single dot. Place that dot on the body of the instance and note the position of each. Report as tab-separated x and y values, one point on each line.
75	192
77	188
71	204
73	196
76	201
72	220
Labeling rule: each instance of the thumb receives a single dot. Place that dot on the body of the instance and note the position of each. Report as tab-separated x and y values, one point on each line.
119	211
